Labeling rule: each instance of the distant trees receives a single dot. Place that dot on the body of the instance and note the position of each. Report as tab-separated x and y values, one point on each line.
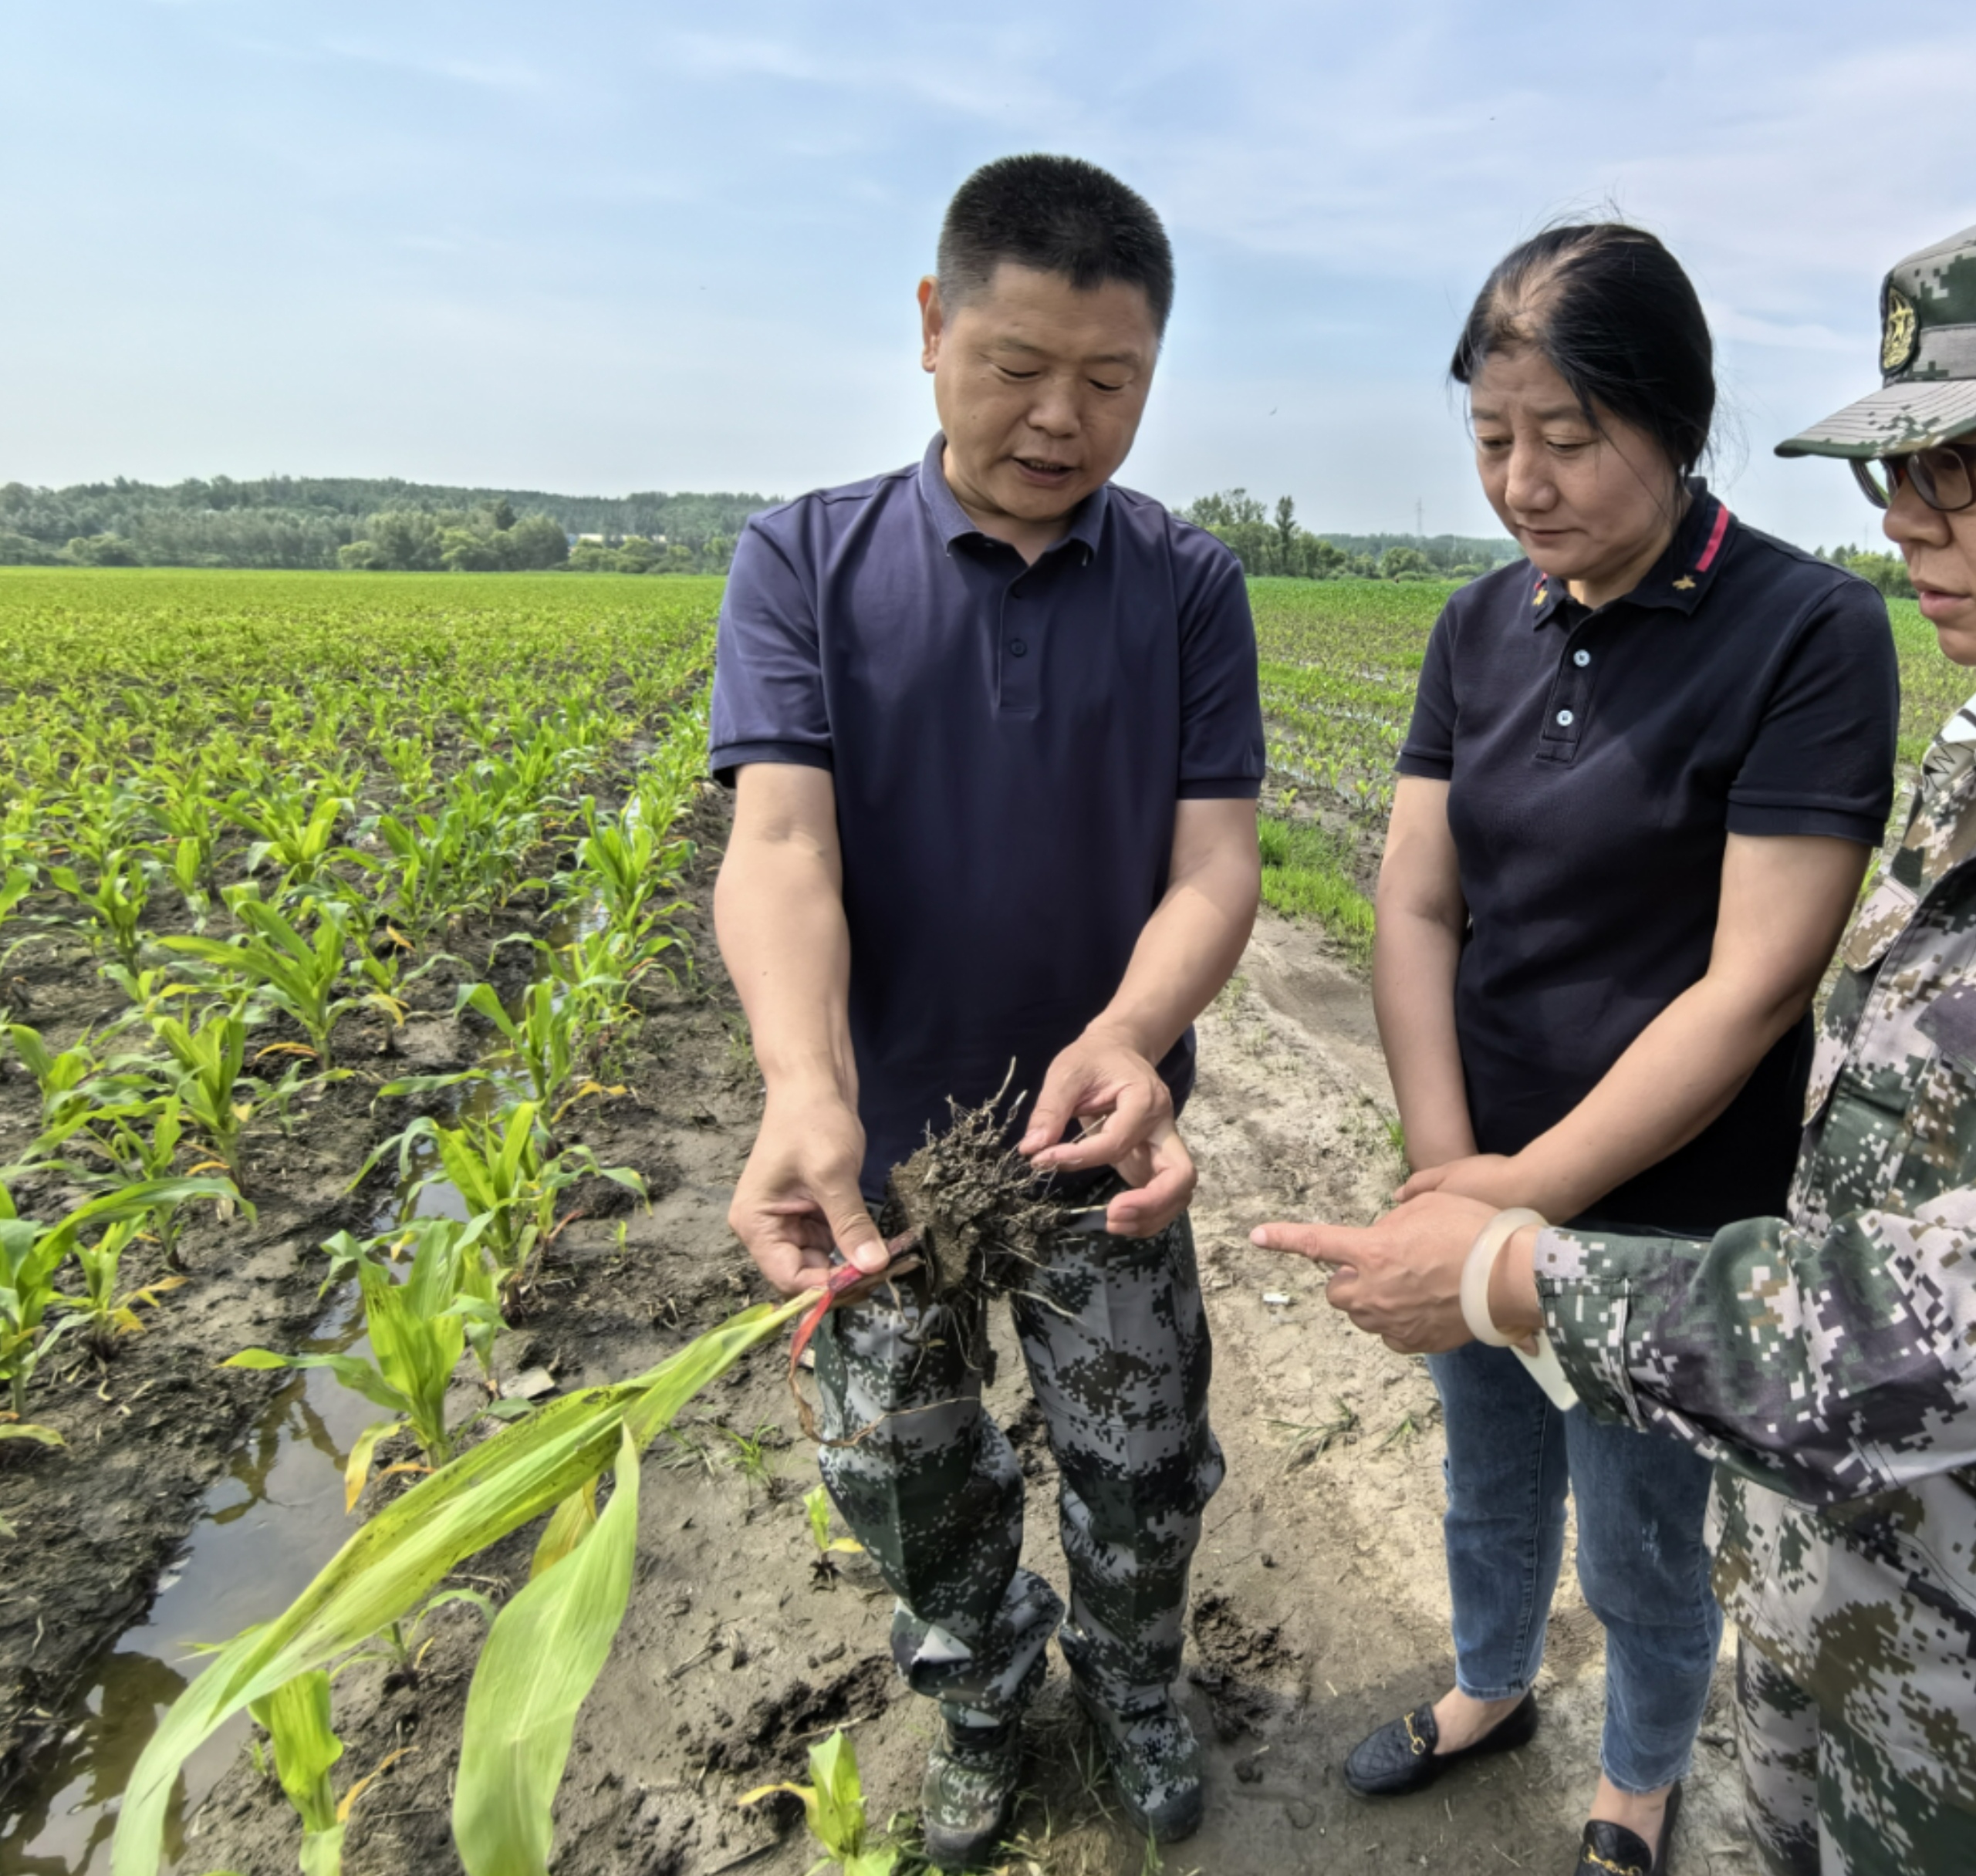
1272	543
1887	572
488	540
306	521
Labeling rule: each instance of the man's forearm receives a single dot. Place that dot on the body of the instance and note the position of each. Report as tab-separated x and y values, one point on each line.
779	914
1188	950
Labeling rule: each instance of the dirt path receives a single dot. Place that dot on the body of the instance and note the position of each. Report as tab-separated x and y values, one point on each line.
1319	1610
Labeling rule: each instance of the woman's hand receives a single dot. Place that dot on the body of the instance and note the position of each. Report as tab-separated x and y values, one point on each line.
1497	1178
1400	1279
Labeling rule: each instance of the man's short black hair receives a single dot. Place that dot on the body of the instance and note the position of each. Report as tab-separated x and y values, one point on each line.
1059	214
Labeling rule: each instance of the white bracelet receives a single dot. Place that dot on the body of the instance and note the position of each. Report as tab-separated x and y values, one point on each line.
1480	1266
1545	1368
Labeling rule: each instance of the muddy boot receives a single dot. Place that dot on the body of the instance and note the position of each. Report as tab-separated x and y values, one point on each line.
969	1787
1155	1763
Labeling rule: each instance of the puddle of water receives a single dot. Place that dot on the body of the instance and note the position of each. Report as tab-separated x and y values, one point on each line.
265	1530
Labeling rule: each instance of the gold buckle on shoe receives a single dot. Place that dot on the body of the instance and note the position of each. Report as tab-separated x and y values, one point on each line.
1413	1738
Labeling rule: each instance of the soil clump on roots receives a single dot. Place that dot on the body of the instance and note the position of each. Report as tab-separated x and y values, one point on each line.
979	1217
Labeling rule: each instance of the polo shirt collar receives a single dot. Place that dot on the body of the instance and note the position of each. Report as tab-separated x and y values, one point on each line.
950	520
1679	580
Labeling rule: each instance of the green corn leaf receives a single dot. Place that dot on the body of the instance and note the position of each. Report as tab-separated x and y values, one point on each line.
296	1715
352	1370
388	1567
541	1657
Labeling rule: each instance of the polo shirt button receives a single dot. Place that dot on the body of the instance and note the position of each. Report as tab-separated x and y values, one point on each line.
1017	648
1564	720
1581	659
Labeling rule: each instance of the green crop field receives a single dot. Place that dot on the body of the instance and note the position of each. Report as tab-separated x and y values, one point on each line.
250	824
1340	662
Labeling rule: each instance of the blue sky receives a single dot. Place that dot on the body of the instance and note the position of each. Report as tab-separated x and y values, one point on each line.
600	247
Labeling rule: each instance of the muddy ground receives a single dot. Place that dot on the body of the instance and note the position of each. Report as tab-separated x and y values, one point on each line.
1319	1603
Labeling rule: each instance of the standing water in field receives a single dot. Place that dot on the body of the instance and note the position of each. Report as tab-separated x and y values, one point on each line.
263	1532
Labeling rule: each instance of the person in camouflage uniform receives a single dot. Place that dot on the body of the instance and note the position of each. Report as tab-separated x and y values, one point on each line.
1825	1360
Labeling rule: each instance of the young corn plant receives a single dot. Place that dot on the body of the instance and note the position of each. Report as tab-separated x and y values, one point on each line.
206	1078
833	1807
547	1645
823	1566
114	903
31	1253
294	830
292	973
75	1083
501	1169
102	1312
418	1329
296	1718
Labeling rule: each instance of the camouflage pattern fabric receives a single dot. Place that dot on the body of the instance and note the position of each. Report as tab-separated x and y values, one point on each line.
1115	1342
1822	1801
1827	1360
1928	393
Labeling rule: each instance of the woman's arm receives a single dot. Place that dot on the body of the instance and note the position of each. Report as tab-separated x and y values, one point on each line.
1421	919
1785	899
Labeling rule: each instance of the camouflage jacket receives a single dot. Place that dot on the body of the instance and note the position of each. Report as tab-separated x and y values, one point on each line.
1827	1360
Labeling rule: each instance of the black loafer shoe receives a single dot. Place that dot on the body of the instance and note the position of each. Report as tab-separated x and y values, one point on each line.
1400	1755
1612	1850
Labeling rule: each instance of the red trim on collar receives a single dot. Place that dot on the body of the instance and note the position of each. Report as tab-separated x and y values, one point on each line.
1714	546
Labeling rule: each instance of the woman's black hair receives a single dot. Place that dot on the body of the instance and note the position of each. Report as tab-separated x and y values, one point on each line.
1619	321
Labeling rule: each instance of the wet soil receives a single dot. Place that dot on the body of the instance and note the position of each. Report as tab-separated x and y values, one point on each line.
1320	1602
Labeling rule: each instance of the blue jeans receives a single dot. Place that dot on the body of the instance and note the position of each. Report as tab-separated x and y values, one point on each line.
1641	1561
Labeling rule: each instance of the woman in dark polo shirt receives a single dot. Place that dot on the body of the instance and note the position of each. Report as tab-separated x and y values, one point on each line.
1646	768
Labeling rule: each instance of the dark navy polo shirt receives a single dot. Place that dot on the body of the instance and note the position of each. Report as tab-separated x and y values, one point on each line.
1007	743
1597	761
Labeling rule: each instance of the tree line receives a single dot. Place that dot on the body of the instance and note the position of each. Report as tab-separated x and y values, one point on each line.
1277	545
364	522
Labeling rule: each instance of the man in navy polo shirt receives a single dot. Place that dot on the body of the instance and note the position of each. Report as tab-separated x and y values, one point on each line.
993	730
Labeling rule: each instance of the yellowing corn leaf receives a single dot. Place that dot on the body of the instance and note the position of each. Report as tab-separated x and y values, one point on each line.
357	1471
567	1527
541	1659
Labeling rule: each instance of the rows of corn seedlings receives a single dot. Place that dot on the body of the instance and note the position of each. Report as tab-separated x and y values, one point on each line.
263	808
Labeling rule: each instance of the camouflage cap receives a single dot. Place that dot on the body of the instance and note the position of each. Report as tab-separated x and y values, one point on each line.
1927	362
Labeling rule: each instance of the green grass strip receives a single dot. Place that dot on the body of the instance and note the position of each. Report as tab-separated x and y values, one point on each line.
1307	874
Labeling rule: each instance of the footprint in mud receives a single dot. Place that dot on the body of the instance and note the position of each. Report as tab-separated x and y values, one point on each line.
778	1730
1236	1658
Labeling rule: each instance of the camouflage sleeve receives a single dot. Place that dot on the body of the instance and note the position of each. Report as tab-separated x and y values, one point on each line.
1825	1368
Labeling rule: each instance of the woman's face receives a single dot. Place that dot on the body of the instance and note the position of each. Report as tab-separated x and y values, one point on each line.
1941	553
1591	505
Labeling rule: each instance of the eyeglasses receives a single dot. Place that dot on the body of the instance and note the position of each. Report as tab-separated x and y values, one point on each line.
1943	478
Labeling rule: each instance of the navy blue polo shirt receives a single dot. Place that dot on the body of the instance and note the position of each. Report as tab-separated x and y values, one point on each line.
1597	761
1006	744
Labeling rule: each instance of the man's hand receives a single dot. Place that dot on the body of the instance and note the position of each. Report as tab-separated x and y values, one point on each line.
799	1197
1400	1279
1103	1080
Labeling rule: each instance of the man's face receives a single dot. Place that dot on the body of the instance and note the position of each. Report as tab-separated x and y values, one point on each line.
1040	388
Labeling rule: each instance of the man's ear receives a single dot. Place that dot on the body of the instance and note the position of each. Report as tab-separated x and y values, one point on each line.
932	322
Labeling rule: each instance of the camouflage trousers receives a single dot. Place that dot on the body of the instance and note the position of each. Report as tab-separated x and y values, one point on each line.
1115	1343
1823	1801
